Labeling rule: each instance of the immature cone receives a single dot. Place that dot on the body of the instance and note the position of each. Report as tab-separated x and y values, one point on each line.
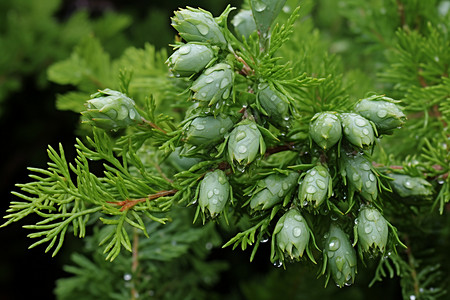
111	110
274	106
292	234
208	130
244	23
198	25
245	142
272	190
357	170
341	257
182	163
189	59
314	187
214	84
357	129
382	111
214	192
372	229
407	186
325	129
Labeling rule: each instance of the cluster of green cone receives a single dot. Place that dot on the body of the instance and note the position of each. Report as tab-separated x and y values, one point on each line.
233	139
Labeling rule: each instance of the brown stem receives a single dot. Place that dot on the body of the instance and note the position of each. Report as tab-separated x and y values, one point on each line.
129	203
153	125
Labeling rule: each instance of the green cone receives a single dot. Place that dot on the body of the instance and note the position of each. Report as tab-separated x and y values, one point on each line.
214	84
372	230
357	129
214	192
407	186
181	163
208	130
325	129
274	106
292	234
198	25
341	257
244	23
272	190
382	111
245	143
111	110
357	170
189	59
314	187
265	12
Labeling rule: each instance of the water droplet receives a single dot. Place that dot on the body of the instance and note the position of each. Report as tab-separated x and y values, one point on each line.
215	201
185	49
381	113
338	275
312	172
297	231
273	98
368	184
203	95
216	191
277	264
412	297
311	189
285	186
368	229
226	94
371	177
208	246
356	221
408	184
334	244
330	254
264	239
298	218
127	277
203	29
370	215
199	127
259	6
209	79
210	194
132	114
356	177
280	193
365	166
321	184
222	130
360	122
365	131
224	83
305	203
242	149
240	135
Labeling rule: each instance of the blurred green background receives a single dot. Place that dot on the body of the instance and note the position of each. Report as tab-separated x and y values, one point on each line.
36	34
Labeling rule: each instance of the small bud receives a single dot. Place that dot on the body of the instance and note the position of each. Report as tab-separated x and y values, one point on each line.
244	143
314	187
341	257
214	192
274	106
382	111
357	170
407	186
292	234
111	110
357	130
272	190
265	12
189	59
244	23
325	129
208	130
214	84
198	25
372	230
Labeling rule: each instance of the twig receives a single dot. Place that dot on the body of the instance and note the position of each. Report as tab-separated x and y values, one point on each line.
127	204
